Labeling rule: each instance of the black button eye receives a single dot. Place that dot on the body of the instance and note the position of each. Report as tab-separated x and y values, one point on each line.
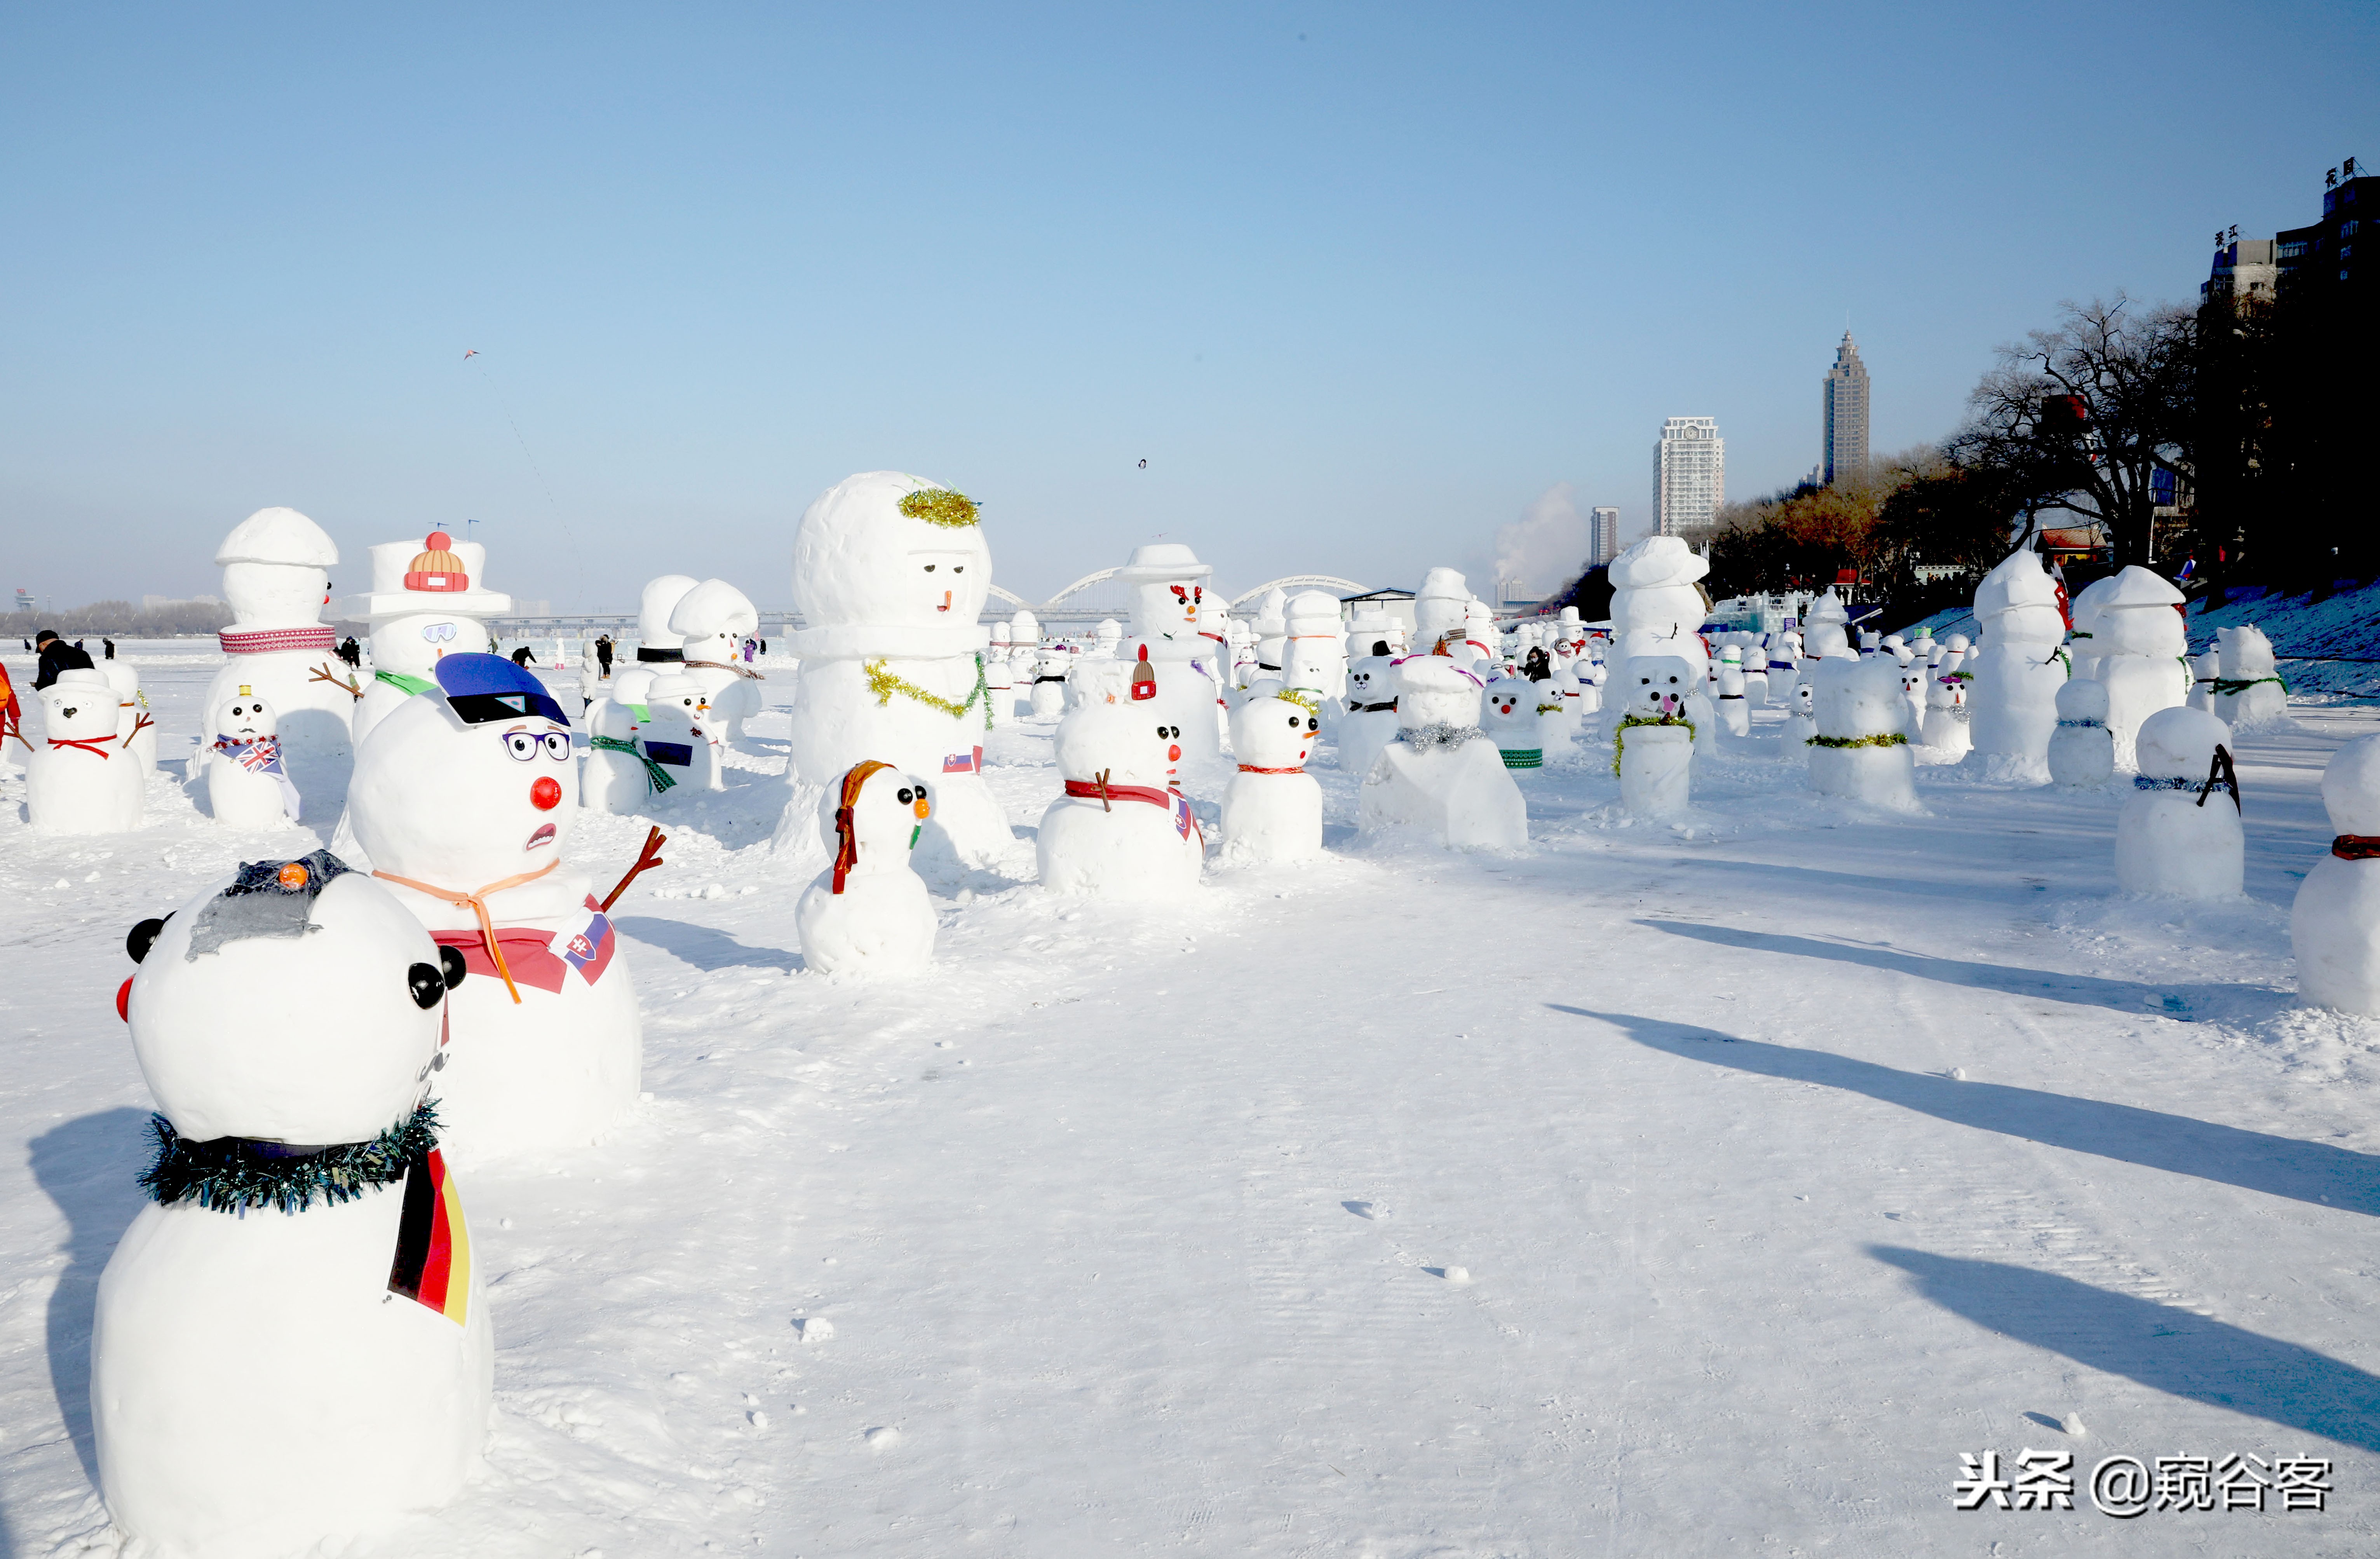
929	567
141	938
958	567
428	985
903	793
450	964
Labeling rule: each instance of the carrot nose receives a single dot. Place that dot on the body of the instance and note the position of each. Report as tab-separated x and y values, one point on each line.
922	809
946	602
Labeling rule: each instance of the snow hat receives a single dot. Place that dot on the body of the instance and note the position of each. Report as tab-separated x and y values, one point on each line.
2179	743
1656	561
714	609
886	563
1432	690
2350	787
656	640
482	688
1156	563
281	536
434	575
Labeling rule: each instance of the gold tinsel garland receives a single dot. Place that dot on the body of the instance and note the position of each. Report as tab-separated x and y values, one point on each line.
884	684
939	505
1627	721
1889	738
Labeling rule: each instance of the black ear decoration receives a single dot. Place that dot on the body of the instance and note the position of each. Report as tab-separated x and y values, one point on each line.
450	959
429	987
141	938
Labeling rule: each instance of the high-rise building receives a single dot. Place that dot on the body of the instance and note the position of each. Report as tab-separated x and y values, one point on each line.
1602	536
1846	392
1689	478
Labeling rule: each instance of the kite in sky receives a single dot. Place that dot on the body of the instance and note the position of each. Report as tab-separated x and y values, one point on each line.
470	355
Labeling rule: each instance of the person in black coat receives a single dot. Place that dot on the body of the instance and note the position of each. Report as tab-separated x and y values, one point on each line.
1536	668
110	644
57	656
351	652
604	653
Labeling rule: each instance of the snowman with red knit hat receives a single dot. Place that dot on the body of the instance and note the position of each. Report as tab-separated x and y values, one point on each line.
426	601
465	801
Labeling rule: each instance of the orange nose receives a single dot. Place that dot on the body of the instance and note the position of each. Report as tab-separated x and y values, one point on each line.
946	602
923	810
1174	753
546	794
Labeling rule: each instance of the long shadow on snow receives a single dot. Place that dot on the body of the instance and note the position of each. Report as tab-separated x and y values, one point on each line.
2281	1166
704	947
2080	990
2166	1349
89	1166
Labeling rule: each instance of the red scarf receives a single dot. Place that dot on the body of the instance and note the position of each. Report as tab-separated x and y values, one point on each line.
846	836
1099	789
2356	846
266	641
1252	769
88	744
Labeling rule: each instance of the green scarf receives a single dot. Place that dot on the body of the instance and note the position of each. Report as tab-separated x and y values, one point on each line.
404	684
654	776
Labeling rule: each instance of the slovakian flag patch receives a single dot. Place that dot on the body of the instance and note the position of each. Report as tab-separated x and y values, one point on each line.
433	1247
589	949
969	763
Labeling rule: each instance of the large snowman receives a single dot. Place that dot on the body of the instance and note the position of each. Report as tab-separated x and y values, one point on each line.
1171	630
890	576
276	566
464	800
428	600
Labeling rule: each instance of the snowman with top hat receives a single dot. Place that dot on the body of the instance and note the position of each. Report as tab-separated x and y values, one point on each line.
466	801
1170	631
428	601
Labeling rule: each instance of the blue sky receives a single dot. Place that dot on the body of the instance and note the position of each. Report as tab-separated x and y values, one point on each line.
1360	284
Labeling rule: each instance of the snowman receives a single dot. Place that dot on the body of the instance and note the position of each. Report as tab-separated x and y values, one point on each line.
1272	809
889	575
1370	721
427	600
1271	632
2088	645
869	913
2013	696
1442	614
1120	830
1654	737
304	1270
276	578
139	731
712	621
465	802
617	775
2248	689
1826	632
2334	921
1861	751
2179	836
248	779
1442	777
999	676
1508	712
1047	698
2080	754
1316	649
1800	736
2142	641
81	776
1945	728
679	734
659	644
1170	630
1734	706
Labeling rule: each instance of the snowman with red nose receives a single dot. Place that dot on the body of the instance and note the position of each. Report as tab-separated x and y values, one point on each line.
465	801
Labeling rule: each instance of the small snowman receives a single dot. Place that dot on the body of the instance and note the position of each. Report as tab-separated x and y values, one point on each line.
616	775
1801	731
427	600
1272	809
1654	737
999	676
1861	751
139	731
1120	830
1047	698
678	733
1734	706
869	913
466	803
1913	678
712	622
2250	693
1370	721
1442	777
2080	753
81	776
2174	837
1316	648
1945	730
304	1262
1508	712
2204	671
248	783
2334	921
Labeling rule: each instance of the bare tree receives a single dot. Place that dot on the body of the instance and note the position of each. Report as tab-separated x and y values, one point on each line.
2078	419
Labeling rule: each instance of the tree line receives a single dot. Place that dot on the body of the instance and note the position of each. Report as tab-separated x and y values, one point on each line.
121	619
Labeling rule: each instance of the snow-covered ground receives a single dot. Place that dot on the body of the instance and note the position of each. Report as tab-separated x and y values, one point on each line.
1788	1155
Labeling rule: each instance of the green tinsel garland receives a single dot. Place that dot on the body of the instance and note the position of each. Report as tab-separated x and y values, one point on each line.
229	1175
1620	732
884	684
1890	738
2236	685
939	505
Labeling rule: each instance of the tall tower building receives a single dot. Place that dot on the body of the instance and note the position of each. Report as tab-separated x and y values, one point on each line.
1689	478
1602	536
1846	389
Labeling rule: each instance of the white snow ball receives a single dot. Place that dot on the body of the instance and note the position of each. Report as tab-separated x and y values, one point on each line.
2179	743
